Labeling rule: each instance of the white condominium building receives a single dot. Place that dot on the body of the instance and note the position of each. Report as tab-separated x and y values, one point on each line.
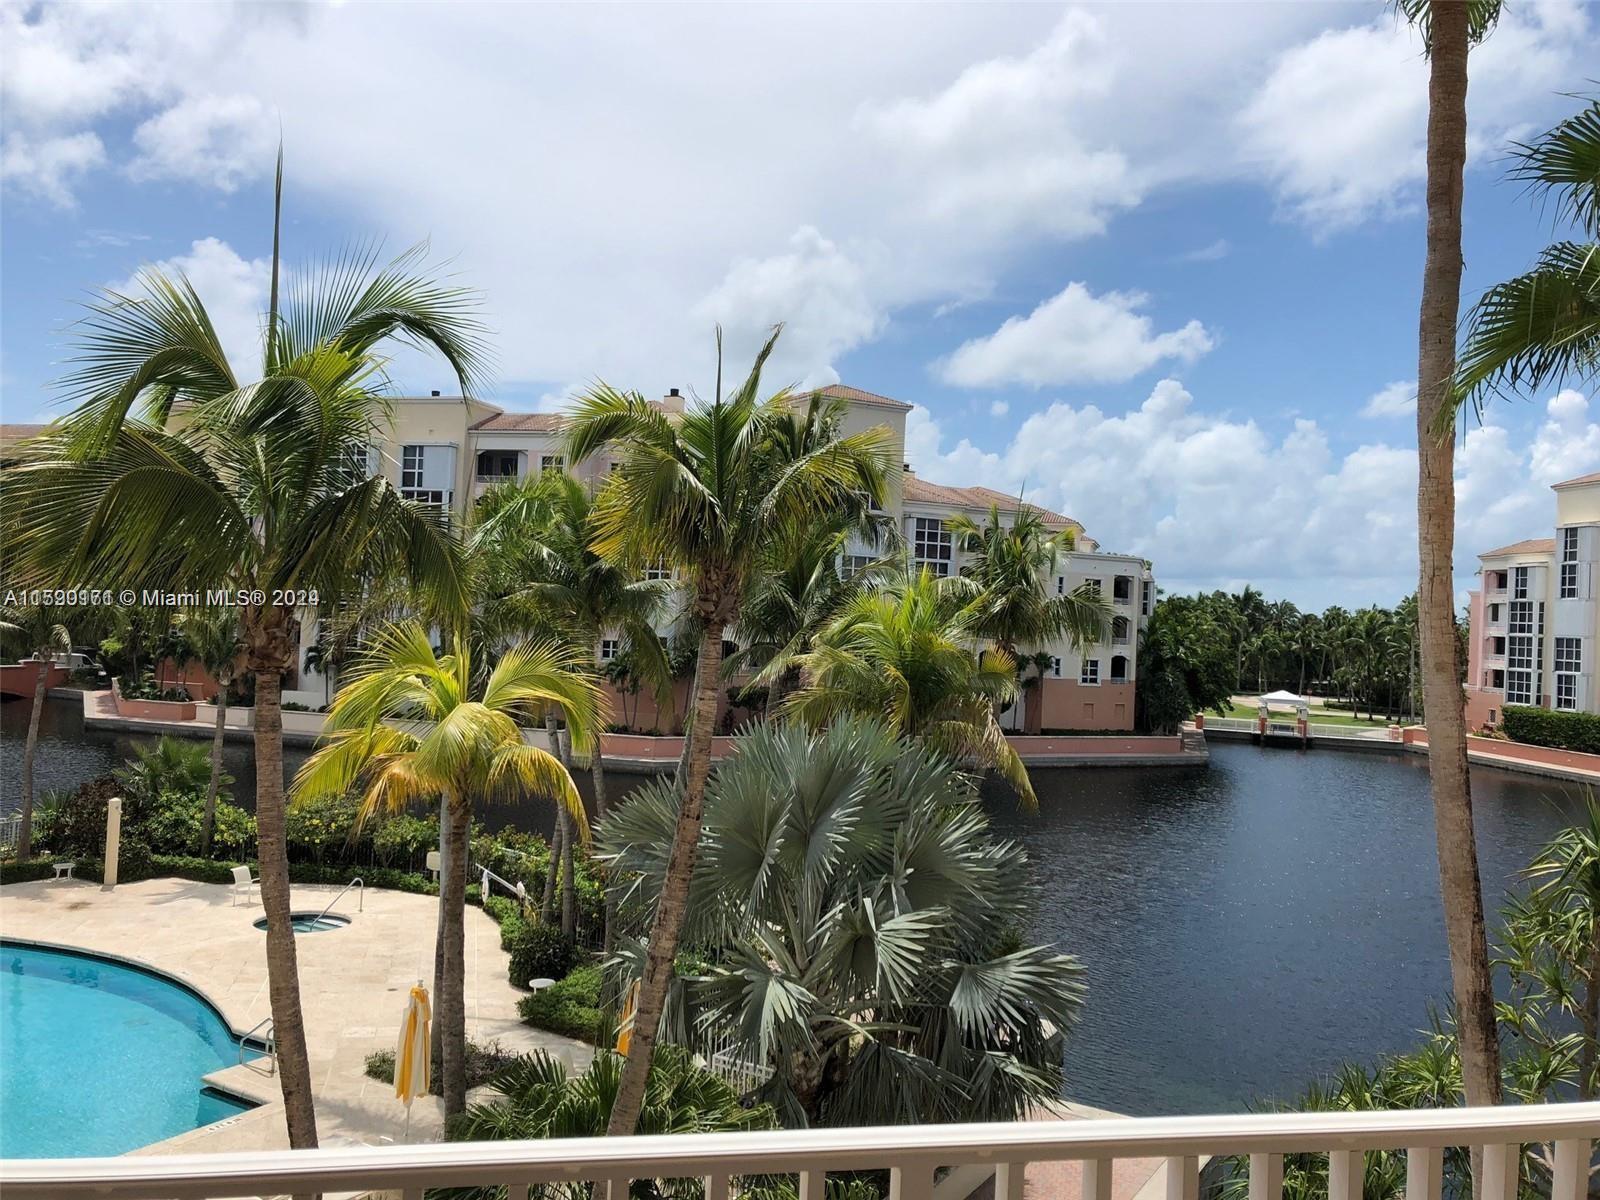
1535	619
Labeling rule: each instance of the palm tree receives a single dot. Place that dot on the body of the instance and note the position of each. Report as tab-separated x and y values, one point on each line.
547	578
1005	575
903	653
708	493
472	752
1543	327
43	630
1449	29
862	914
213	639
262	487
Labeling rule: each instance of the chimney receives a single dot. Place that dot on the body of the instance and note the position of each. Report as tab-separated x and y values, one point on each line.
434	393
906	467
672	402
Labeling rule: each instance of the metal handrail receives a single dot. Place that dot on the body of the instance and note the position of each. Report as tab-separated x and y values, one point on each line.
519	890
361	897
270	1041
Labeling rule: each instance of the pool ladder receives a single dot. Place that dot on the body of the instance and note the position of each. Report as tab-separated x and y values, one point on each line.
361	897
268	1039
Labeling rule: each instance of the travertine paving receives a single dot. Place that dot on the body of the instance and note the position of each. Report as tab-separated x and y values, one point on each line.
353	984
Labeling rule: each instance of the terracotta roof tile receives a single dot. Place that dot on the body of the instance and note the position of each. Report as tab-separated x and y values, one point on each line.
1579	481
11	434
1531	546
506	422
839	391
922	491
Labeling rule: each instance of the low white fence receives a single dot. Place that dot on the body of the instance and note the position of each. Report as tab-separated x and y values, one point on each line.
911	1155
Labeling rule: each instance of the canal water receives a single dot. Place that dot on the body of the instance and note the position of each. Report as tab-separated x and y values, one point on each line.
1244	927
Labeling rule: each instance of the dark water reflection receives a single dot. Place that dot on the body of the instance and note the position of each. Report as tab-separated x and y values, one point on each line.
1244	927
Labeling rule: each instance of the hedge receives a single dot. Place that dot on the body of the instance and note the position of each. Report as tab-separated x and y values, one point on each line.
1559	730
570	1007
131	868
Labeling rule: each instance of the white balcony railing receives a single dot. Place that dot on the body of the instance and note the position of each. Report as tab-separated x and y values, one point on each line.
911	1155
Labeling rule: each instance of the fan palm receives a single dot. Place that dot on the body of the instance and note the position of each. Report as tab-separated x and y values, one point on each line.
213	639
860	918
544	576
903	653
171	472
472	752
1006	572
42	629
708	492
1543	327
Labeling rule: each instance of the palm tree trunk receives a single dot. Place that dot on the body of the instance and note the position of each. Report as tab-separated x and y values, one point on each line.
569	832
1443	701
667	925
283	968
598	770
436	1049
452	1024
25	830
208	816
547	901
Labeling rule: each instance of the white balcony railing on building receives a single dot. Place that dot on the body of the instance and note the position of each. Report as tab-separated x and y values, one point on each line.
912	1155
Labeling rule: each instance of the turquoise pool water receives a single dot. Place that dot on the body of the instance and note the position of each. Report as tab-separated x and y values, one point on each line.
97	1057
310	922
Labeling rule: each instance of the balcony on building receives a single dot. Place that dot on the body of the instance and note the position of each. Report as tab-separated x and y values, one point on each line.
1494	582
494	467
1122	588
1120	631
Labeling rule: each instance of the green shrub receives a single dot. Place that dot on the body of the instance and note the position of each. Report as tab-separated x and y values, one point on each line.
570	1007
26	871
134	860
171	824
483	1064
322	824
1559	730
403	840
186	866
74	825
537	950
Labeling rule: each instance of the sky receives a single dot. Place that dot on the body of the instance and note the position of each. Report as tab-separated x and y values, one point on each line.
1155	266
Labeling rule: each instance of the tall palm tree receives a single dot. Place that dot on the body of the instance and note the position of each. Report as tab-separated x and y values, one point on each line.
473	751
213	639
1543	327
547	578
904	654
708	492
42	628
1449	29
1005	579
172	470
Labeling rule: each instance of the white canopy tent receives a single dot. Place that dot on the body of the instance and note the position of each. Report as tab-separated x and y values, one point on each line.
1282	697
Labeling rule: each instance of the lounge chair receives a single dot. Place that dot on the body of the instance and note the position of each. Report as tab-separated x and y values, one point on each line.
242	884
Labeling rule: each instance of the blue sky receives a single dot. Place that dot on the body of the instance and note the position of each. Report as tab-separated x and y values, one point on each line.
1151	263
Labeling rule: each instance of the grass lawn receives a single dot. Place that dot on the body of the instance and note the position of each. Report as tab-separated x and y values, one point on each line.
1318	716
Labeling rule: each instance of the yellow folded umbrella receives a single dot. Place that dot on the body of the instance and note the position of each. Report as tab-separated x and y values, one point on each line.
412	1061
630	1003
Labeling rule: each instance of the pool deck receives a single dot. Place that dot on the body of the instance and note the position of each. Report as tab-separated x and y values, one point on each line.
354	982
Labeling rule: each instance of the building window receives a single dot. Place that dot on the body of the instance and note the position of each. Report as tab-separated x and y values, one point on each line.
1092	588
608	649
1119	669
931	545
1144	598
360	465
854	564
1568	663
658	570
1569	564
1090	674
1496	613
1519	617
427	473
1519	687
1119	630
1055	667
552	462
1497	647
1567	692
1061	585
497	464
1122	589
1519	583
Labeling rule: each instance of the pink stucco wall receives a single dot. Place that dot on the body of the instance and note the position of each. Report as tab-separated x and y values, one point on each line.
1475	634
1068	704
1028	747
1484	707
22	679
152	710
1417	735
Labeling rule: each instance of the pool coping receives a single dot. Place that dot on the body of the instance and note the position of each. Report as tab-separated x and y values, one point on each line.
227	1087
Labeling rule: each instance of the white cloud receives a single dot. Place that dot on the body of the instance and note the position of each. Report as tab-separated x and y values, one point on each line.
1338	124
1210	252
998	408
1074	337
1212	499
234	291
217	140
50	166
1392	400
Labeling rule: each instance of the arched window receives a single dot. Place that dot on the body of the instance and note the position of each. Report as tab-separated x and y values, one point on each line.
1119	629
1119	669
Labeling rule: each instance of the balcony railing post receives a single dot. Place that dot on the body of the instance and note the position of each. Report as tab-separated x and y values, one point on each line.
911	1182
1266	1177
1502	1170
1097	1178
1009	1178
1570	1179
1424	1172
1347	1170
716	1187
1183	1177
813	1185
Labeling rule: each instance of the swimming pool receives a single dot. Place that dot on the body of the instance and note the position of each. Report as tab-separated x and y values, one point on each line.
102	1057
310	922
